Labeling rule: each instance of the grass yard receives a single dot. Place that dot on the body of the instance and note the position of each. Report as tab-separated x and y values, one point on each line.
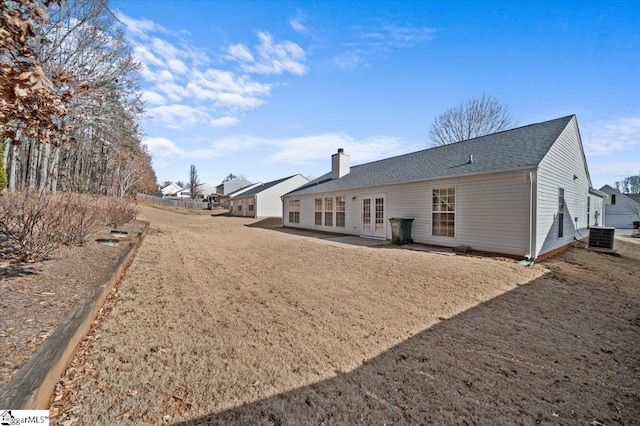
217	322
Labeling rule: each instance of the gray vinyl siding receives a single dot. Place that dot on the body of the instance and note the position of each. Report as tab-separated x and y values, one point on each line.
267	202
597	206
557	169
492	211
619	215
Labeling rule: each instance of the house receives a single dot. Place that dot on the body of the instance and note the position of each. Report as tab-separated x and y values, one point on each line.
203	190
264	199
171	190
226	188
621	209
523	192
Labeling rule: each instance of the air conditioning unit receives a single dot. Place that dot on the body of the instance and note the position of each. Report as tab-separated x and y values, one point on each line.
602	237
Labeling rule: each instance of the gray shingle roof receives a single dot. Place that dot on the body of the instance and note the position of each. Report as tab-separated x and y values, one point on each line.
510	149
263	187
634	197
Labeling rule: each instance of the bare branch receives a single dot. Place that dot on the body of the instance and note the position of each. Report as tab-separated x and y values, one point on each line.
477	117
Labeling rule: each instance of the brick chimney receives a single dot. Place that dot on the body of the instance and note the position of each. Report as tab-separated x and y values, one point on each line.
339	164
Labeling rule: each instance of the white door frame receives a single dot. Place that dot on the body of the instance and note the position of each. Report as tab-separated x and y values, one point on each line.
373	215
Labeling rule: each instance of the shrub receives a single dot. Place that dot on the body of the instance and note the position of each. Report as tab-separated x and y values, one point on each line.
81	215
30	223
118	212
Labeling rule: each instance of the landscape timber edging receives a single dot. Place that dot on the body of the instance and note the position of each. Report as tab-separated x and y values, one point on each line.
35	382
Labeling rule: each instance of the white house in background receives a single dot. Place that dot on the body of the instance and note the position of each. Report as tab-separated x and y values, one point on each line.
523	192
171	190
233	185
596	216
622	209
264	199
203	190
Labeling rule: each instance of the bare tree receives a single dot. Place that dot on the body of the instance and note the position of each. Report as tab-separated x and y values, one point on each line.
477	117
229	177
70	104
3	173
629	185
193	182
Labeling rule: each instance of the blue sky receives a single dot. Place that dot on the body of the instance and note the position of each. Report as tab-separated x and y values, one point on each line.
269	89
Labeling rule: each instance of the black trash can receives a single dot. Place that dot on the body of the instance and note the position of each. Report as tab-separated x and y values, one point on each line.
401	231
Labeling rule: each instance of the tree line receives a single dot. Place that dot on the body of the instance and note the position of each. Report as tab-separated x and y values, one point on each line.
71	106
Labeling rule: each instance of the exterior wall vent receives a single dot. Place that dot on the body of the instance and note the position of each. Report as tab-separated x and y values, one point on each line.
602	237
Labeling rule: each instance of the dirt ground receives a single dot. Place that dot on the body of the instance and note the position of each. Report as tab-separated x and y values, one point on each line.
35	298
223	320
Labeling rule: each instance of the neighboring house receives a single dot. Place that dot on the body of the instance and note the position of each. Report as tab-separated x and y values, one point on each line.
621	209
634	197
203	190
596	216
233	185
264	199
171	190
225	200
522	192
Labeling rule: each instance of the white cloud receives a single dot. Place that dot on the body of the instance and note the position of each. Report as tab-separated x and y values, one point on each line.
178	116
305	149
224	121
173	91
298	25
176	65
146	56
153	98
351	60
272	57
613	136
614	168
163	147
380	41
183	88
239	52
396	35
137	26
227	89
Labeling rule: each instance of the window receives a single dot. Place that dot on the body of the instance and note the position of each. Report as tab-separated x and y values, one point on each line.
444	212
250	207
318	211
294	211
239	205
613	199
328	212
560	212
340	212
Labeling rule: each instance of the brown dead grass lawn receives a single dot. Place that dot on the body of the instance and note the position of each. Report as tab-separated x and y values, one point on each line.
218	322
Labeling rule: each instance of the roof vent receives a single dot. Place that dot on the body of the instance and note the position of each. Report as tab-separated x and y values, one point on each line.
470	158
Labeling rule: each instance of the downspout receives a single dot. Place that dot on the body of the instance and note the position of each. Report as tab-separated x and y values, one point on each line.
533	205
255	206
